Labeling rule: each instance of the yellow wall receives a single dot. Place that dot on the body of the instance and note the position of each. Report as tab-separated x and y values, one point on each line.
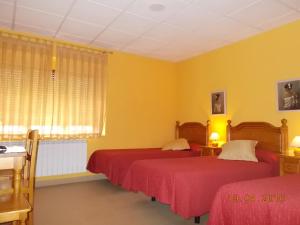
248	72
141	103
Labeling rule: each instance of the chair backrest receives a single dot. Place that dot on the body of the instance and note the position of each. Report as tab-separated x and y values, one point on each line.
26	140
31	146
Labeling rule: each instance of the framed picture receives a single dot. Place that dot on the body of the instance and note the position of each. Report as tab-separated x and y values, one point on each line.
288	93
218	103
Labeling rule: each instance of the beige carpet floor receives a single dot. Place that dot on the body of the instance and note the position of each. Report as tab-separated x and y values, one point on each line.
100	203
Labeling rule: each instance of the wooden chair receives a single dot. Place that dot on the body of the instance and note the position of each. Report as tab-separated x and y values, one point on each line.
14	208
6	176
18	206
31	147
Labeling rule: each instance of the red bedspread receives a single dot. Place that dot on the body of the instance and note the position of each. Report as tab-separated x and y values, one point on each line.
189	184
100	159
270	201
115	163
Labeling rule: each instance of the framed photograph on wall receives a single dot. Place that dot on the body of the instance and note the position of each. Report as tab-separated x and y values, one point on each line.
218	103
288	93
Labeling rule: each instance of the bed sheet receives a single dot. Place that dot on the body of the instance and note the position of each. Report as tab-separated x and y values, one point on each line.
114	164
100	159
266	201
188	185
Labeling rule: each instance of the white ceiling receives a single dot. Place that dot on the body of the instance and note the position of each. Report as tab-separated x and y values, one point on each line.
185	28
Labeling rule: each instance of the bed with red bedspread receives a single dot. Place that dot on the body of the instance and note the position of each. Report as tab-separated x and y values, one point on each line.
274	201
189	185
115	163
115	167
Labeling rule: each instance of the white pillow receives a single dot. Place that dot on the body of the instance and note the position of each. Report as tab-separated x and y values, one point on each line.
239	150
178	144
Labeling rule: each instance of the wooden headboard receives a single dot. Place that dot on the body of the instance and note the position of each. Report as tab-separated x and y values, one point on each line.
194	132
268	136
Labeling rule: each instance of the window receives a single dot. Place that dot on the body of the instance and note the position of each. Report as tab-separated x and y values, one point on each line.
66	103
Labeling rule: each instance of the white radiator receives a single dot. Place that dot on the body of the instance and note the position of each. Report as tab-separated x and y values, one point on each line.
59	157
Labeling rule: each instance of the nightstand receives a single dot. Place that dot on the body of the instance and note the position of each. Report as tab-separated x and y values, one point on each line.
210	150
289	164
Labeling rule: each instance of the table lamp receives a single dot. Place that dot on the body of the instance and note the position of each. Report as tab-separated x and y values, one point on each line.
296	144
214	137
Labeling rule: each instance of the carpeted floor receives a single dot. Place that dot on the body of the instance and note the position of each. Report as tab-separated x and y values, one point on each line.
100	203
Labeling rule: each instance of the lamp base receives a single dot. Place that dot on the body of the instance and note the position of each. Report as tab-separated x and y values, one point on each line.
297	153
214	144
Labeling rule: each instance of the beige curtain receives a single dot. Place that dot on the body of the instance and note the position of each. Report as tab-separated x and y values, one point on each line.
25	93
79	93
70	104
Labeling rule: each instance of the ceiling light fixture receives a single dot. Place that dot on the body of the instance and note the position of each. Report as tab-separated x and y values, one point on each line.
157	7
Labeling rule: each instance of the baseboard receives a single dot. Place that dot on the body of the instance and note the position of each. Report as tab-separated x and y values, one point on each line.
42	182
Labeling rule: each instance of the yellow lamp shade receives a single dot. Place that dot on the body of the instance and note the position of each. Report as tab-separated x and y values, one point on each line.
214	136
296	144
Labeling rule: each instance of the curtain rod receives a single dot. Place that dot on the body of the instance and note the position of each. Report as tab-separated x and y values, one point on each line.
36	38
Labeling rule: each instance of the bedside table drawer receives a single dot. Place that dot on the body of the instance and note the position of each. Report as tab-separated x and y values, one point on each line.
290	167
210	150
